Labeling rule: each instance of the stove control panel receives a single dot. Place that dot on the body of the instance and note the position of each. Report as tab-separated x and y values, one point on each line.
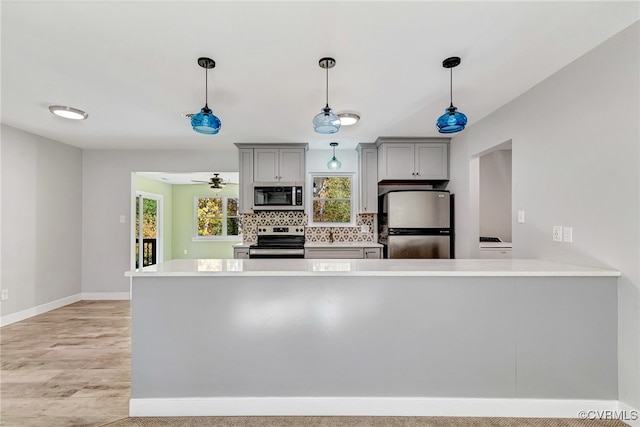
276	230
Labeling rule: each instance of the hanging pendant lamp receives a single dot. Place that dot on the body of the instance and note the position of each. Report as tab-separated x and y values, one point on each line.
326	122
334	164
205	121
451	121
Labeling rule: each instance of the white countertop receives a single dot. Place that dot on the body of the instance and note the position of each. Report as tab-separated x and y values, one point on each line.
369	267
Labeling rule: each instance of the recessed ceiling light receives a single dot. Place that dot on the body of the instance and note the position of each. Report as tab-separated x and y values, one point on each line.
68	112
348	119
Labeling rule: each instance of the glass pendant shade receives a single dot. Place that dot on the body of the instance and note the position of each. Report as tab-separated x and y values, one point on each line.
326	122
451	121
334	164
205	122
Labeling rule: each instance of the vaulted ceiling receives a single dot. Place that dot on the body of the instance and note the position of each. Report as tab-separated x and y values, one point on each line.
133	65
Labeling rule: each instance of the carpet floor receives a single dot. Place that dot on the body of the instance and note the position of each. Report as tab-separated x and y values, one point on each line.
359	422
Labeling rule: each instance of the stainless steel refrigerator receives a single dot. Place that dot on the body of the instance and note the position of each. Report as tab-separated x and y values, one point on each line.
417	224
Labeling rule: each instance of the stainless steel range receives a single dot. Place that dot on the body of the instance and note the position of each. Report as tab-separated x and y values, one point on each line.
278	242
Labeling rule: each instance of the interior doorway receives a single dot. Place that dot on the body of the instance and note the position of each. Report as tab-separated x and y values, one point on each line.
148	229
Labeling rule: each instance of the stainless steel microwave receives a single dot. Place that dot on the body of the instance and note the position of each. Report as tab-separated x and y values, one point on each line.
277	197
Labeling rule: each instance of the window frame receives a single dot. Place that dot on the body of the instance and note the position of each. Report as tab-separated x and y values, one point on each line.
224	236
352	199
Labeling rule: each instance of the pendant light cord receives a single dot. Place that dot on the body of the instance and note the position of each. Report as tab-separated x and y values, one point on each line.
327	87
451	85
206	88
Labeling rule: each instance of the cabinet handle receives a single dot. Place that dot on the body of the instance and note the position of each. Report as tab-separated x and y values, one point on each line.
417	174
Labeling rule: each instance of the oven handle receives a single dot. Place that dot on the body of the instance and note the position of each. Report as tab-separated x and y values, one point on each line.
276	252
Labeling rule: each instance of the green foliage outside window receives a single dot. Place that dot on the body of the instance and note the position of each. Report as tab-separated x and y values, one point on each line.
214	220
332	199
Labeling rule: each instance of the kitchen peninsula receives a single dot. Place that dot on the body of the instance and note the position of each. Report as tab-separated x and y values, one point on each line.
373	337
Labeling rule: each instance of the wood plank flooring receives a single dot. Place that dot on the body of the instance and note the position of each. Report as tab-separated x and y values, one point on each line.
67	367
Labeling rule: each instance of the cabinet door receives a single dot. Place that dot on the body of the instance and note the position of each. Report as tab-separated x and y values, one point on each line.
368	180
291	162
241	253
396	162
246	180
333	253
265	165
431	161
372	253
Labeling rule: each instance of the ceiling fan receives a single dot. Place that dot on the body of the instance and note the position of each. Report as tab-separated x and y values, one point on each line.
215	182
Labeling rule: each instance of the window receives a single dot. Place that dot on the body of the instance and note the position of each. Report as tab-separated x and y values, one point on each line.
216	218
332	200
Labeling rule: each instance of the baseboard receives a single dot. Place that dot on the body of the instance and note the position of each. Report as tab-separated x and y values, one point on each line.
628	414
99	296
34	311
365	406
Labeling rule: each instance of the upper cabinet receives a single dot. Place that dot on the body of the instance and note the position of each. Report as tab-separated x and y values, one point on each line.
278	165
368	177
269	163
413	158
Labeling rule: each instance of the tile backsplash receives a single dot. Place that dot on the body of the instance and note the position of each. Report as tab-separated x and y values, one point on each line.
250	223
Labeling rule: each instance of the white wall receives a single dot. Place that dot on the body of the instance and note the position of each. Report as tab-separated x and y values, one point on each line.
106	194
495	194
41	217
576	161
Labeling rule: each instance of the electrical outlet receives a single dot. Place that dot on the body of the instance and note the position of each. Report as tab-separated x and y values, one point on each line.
364	228
557	233
567	234
4	295
520	217
184	252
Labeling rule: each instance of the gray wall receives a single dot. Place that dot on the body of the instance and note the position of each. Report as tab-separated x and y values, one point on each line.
106	194
495	194
576	162
41	217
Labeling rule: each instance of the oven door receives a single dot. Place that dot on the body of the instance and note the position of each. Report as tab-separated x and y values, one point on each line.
256	253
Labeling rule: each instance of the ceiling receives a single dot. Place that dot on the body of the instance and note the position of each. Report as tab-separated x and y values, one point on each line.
133	65
188	178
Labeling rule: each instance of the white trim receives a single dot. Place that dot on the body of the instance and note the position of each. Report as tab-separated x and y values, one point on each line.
630	412
99	296
34	311
366	406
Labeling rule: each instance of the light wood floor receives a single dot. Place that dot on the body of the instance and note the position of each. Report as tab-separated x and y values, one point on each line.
67	367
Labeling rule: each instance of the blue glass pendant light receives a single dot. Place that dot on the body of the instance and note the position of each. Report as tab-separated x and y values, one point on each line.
451	121
334	164
205	121
326	122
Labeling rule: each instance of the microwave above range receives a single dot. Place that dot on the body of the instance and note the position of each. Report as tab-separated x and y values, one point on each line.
277	197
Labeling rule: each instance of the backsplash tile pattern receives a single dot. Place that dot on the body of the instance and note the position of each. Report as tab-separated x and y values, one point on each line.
250	223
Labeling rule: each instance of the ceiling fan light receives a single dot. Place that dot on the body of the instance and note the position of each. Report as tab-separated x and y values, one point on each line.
326	122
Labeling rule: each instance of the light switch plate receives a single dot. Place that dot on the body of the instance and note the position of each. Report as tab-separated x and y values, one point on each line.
567	234
520	217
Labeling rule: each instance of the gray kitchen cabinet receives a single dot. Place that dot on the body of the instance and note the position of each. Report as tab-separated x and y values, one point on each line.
246	181
278	165
342	252
368	177
413	158
241	252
